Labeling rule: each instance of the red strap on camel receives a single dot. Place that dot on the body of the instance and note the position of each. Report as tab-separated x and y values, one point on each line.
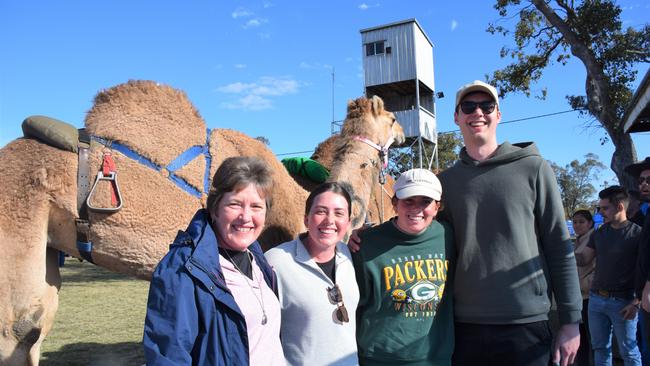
108	168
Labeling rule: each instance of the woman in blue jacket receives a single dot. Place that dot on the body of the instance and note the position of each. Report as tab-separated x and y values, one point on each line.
211	298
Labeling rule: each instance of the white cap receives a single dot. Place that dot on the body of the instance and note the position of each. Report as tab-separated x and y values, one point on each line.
418	182
476	86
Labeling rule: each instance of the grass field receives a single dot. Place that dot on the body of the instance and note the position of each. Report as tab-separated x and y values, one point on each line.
100	318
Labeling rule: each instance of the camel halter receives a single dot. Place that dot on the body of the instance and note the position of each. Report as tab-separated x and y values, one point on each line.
383	153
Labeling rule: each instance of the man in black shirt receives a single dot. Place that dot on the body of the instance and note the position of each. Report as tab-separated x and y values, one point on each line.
612	300
641	171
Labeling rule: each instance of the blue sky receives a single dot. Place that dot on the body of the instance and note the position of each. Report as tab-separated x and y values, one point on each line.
265	67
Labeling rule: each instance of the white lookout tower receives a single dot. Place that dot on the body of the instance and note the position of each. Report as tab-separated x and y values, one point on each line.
398	67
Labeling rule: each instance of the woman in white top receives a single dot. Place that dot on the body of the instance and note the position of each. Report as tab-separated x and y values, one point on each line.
583	225
316	282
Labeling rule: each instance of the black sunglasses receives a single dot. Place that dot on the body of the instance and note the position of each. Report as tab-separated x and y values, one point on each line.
469	107
644	179
334	294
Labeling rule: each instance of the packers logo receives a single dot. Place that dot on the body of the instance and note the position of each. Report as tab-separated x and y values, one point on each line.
425	291
399	295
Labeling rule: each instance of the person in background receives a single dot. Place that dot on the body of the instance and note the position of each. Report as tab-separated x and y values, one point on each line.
404	270
317	286
641	172
514	248
211	298
612	300
583	225
634	212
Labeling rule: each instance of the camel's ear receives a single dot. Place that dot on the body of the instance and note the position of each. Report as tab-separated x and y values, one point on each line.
377	105
351	104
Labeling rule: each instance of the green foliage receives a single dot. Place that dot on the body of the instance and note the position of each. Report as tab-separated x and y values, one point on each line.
575	182
539	44
548	32
449	145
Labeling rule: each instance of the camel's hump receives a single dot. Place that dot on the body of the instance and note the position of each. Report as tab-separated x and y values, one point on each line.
155	120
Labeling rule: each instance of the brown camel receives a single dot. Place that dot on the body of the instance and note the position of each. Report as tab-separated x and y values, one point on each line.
38	204
380	208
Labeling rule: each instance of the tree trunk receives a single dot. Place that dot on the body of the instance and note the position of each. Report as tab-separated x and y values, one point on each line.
624	155
598	101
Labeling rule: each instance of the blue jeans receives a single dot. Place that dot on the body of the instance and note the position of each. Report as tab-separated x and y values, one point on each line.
605	313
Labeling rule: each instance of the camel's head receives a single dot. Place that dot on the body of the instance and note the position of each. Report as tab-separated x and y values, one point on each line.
368	118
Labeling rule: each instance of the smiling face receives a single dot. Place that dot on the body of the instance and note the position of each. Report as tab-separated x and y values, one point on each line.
414	214
327	222
478	127
239	218
581	225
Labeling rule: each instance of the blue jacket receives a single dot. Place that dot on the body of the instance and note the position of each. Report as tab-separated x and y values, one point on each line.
192	317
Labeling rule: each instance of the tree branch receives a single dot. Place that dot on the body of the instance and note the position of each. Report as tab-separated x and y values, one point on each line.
598	90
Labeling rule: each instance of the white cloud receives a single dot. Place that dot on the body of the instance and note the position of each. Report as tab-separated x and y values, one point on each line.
364	6
255	22
314	65
235	88
454	24
268	4
255	96
249	102
239	66
241	13
269	85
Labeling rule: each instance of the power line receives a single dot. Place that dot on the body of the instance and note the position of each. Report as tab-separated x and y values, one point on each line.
293	153
523	119
452	131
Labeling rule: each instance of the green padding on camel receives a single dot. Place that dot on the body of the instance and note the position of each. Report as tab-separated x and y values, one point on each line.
306	167
52	132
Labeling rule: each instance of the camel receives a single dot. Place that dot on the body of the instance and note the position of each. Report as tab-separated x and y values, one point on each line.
380	207
38	204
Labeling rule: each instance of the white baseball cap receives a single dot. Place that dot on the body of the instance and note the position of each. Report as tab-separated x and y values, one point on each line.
477	86
418	182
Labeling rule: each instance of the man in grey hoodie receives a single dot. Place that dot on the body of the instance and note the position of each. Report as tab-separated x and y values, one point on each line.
513	245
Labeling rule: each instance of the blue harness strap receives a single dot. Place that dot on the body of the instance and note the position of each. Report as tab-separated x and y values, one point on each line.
180	161
84	245
85	249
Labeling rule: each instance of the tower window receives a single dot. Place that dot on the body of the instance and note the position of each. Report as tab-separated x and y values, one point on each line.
375	48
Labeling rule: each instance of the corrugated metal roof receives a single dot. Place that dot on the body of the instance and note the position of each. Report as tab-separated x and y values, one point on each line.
412	20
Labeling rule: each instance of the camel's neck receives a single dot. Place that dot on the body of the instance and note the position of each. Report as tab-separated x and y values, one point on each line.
357	164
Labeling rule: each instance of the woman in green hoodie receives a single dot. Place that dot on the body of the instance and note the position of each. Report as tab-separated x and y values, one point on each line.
403	271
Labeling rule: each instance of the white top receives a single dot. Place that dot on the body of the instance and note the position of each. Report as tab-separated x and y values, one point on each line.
263	339
310	332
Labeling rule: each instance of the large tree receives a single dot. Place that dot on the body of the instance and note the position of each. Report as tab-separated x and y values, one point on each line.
549	32
575	181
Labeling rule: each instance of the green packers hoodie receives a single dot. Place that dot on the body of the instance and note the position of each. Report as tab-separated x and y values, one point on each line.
511	238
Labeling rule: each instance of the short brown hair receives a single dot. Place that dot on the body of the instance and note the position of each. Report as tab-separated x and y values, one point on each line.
235	174
615	195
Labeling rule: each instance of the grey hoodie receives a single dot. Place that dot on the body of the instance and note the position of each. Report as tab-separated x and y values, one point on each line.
512	241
